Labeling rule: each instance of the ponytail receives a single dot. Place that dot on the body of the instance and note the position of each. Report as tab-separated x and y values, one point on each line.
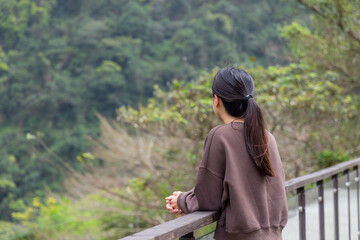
255	138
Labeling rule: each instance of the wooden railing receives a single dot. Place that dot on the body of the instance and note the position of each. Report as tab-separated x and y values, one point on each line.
183	227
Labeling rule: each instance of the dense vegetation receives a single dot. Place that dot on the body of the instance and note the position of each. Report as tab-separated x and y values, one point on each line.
66	64
64	61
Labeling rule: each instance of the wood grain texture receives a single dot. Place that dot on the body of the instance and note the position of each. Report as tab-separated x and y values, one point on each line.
177	227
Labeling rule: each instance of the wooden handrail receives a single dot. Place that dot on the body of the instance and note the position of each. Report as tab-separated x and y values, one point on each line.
298	182
189	223
177	227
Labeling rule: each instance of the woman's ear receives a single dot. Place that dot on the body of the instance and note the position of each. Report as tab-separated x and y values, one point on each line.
216	100
217	106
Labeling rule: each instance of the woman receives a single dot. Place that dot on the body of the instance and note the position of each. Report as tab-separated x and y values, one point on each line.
241	173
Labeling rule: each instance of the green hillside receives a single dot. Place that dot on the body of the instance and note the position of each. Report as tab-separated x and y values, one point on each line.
88	86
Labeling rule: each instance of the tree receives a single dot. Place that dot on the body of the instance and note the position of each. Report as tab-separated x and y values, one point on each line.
312	105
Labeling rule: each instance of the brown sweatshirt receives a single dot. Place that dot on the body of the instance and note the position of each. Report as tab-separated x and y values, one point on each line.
251	206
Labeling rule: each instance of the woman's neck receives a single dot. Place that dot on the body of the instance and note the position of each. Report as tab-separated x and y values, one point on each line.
229	119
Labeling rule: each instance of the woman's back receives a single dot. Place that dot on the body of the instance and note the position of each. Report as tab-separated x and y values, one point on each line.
250	202
241	174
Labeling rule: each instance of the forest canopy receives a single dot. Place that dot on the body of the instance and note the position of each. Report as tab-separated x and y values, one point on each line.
89	86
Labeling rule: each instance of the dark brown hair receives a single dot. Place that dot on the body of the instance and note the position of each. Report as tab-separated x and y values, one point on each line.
235	88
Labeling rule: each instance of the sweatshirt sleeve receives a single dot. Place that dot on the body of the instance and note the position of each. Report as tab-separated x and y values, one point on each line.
207	193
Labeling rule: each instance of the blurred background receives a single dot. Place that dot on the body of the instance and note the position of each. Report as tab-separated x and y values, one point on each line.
105	104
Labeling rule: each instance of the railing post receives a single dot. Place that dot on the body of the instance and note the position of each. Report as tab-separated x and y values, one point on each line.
302	223
336	205
320	186
347	184
189	236
356	169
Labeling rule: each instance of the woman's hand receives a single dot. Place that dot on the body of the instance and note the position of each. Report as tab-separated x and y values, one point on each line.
171	204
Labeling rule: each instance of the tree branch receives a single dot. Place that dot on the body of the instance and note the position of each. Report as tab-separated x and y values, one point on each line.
339	23
137	203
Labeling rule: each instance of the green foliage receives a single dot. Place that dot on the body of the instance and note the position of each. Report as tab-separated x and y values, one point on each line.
108	67
329	49
10	231
63	61
16	16
299	91
311	107
188	105
328	158
4	183
3	65
57	220
332	40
